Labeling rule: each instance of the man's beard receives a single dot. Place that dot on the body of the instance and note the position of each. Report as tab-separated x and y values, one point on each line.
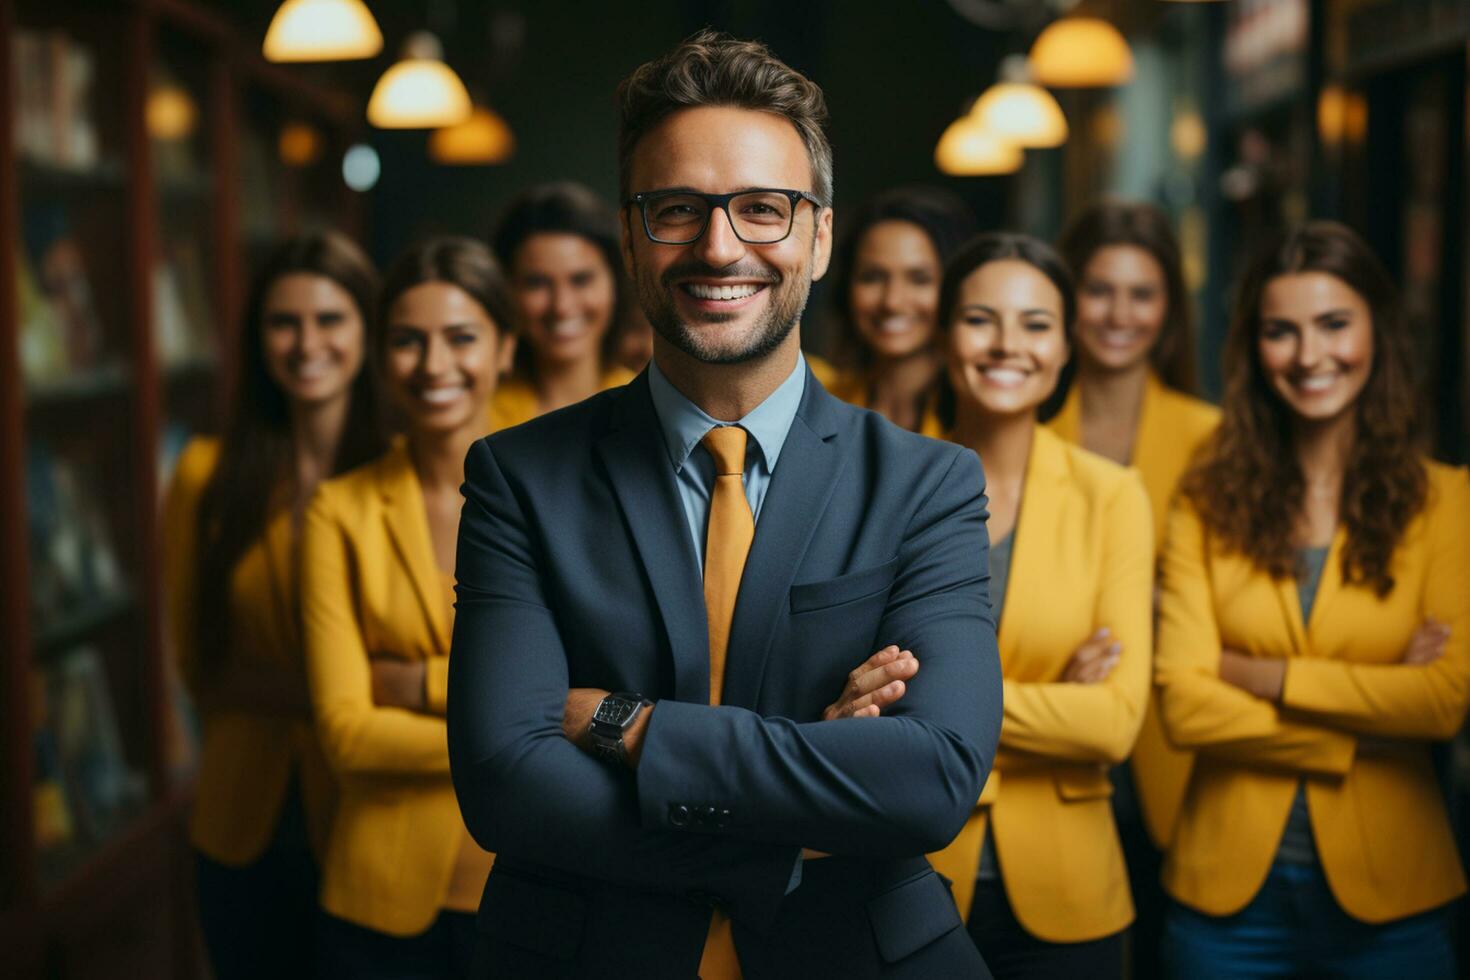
783	311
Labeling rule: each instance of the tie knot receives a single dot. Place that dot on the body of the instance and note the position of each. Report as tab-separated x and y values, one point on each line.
726	444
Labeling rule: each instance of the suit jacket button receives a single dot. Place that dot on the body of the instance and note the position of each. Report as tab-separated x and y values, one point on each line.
678	815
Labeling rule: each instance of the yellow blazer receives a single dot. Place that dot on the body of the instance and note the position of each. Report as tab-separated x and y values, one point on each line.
853	389
1083	559
246	759
1171	426
1377	813
371	586
515	399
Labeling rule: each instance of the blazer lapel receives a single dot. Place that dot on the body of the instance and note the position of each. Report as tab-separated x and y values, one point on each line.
1329	586
408	528
1032	544
802	484
643	478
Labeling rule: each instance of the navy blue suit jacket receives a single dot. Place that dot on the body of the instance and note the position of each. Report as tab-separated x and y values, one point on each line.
576	569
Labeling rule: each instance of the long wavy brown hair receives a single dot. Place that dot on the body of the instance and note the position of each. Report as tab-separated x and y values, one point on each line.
254	469
1247	483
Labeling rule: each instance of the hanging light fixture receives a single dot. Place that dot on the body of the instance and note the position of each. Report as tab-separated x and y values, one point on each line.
420	91
1015	109
968	149
482	139
322	30
1080	52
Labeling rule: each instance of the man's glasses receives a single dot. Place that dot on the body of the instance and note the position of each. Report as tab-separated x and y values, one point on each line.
763	216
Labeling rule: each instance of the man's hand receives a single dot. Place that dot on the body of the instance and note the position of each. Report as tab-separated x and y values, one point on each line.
873	686
398	683
1094	660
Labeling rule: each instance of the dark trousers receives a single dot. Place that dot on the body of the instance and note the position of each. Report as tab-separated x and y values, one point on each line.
259	920
1012	953
443	952
1295	928
1145	867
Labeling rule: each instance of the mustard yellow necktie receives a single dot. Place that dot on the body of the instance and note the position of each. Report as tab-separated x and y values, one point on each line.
726	545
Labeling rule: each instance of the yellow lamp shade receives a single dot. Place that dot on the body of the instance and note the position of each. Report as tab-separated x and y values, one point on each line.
482	139
420	91
1023	113
968	149
170	113
322	30
1080	52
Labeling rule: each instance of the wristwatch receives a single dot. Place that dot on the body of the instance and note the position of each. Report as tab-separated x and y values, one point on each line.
614	715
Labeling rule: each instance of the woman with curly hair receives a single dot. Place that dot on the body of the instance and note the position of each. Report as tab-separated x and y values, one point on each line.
1314	640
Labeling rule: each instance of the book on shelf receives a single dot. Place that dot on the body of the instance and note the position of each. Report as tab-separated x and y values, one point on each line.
61	332
53	824
74	564
101	789
55	124
181	321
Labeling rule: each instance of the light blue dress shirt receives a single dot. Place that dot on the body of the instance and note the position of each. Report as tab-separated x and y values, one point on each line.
684	424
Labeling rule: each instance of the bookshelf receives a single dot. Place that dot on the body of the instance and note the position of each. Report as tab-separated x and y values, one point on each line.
144	173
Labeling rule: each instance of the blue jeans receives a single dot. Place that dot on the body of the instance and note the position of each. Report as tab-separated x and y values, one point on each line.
1295	928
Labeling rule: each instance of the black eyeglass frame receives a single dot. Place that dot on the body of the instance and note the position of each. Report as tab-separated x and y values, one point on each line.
722	202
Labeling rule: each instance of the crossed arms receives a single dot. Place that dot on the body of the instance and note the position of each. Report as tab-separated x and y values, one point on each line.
900	784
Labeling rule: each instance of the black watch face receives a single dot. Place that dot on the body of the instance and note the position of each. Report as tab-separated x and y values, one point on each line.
614	711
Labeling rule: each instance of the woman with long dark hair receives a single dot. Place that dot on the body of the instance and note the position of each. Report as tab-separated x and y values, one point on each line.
303	411
1314	639
402	878
559	246
885	286
1132	400
1038	872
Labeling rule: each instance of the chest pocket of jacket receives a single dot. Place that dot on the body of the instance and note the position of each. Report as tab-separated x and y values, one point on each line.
845	589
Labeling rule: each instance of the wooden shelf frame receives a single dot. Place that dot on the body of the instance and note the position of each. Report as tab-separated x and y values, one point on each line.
33	919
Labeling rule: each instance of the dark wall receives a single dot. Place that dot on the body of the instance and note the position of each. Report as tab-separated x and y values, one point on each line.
895	75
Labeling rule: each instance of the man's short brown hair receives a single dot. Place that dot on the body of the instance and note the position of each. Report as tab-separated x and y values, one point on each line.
714	69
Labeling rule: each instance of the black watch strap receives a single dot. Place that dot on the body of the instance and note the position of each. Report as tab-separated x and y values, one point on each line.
614	714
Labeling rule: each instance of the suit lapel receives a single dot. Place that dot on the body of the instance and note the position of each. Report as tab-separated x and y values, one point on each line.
408	529
802	484
643	478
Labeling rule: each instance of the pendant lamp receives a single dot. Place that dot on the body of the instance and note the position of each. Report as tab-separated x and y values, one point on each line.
968	149
322	30
420	91
1080	52
482	139
1018	110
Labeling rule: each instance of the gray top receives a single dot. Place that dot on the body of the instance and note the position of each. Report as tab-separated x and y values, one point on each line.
1297	845
1000	574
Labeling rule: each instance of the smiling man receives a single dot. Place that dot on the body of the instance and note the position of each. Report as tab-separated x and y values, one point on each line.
662	590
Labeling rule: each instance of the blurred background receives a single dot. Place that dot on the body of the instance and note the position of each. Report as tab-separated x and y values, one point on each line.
150	154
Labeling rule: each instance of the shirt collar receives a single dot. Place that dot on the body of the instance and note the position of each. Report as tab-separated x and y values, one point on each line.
684	423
